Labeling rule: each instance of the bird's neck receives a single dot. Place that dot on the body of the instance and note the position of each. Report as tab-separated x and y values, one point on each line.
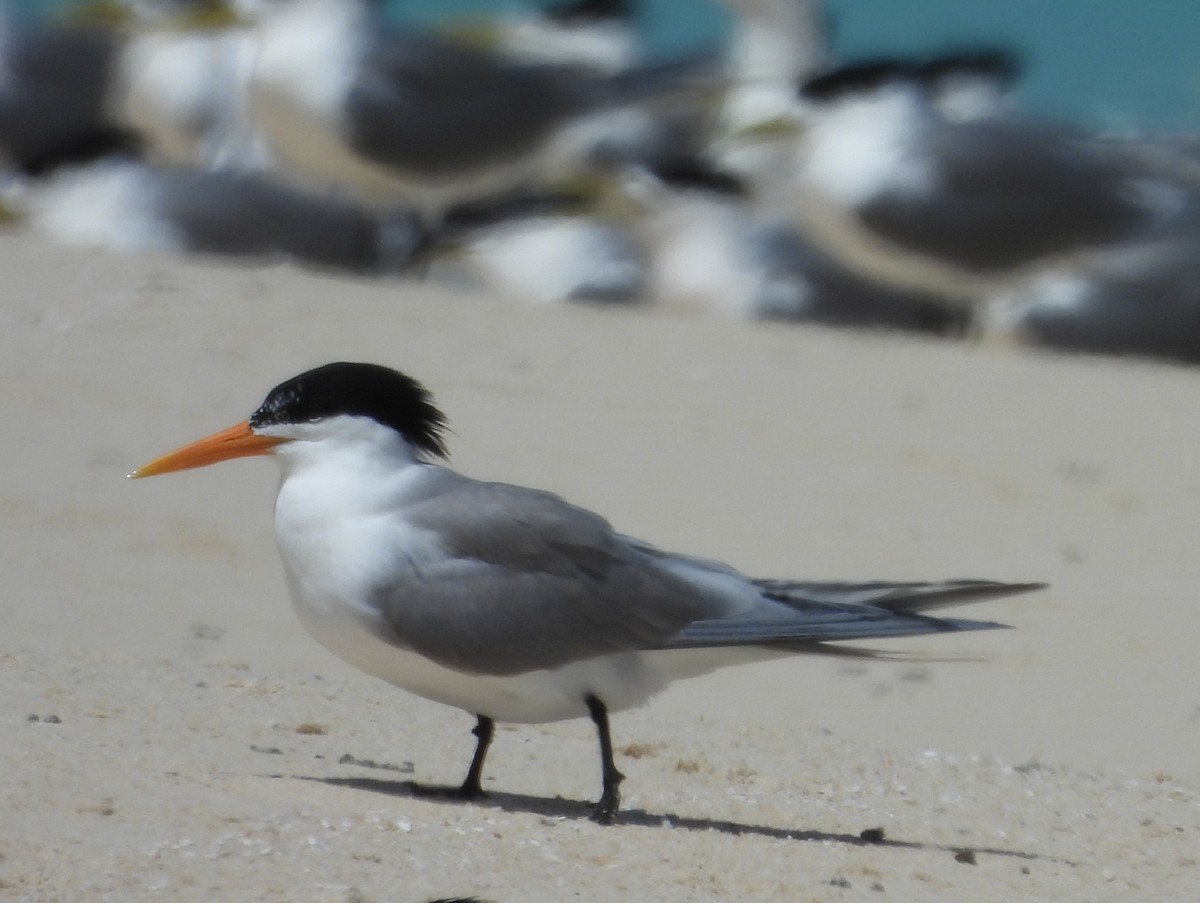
862	146
338	519
346	473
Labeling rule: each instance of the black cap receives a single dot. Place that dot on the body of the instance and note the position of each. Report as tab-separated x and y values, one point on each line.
858	78
359	390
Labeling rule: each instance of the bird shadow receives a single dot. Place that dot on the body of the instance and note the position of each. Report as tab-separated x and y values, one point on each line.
561	807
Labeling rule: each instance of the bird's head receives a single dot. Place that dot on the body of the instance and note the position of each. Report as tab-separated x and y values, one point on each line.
317	406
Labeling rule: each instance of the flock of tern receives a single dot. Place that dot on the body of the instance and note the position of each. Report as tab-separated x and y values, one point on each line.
544	155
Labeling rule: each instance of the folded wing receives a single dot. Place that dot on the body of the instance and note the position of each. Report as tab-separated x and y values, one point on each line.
529	582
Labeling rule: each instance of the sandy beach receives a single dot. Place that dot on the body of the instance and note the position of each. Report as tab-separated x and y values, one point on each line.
170	732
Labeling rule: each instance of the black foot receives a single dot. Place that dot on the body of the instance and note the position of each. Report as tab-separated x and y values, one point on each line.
605	811
466	791
472	787
610	797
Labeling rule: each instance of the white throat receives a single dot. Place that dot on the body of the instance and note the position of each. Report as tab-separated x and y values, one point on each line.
339	519
861	147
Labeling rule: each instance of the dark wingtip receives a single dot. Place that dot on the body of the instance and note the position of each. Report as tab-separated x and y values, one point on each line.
954	625
958	592
1016	588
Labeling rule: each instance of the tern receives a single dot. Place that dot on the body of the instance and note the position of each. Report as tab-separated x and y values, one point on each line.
1139	300
508	602
345	98
963	202
127	205
710	247
53	84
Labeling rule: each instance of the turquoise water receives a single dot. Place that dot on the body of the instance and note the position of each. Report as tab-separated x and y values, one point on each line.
1107	63
1112	63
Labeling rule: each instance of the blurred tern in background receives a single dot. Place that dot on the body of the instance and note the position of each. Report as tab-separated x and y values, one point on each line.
710	249
801	281
774	45
602	37
1138	300
126	205
54	83
696	224
71	91
543	249
351	100
185	92
509	602
960	206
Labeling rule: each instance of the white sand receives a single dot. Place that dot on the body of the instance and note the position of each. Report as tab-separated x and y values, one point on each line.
151	619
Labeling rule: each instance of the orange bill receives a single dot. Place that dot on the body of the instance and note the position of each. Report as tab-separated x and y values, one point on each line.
236	442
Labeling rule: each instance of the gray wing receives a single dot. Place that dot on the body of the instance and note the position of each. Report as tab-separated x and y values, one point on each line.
1149	305
235	213
245	214
531	582
429	107
52	90
1008	193
838	295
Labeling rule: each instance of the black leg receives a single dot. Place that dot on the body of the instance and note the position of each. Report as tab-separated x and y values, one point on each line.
610	798
472	787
